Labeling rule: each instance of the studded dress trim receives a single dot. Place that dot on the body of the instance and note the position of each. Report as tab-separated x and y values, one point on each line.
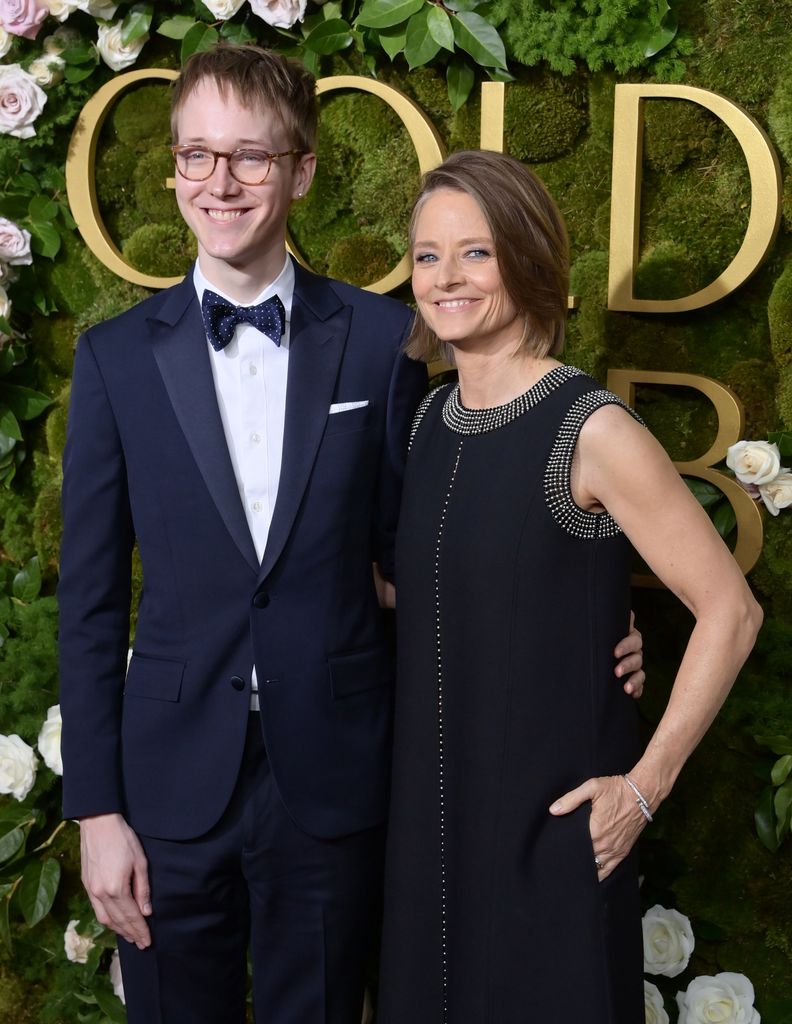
557	482
420	412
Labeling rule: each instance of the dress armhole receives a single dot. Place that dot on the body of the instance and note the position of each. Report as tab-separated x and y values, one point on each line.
564	509
420	412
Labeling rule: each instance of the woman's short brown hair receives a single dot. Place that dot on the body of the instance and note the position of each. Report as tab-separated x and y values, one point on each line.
259	79
530	245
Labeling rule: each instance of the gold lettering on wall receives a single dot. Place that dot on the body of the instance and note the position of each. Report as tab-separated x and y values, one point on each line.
765	175
731	423
81	176
493	105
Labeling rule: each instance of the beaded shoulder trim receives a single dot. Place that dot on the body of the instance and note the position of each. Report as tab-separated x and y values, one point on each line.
420	412
557	483
480	421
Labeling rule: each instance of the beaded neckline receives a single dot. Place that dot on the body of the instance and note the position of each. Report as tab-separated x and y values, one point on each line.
480	421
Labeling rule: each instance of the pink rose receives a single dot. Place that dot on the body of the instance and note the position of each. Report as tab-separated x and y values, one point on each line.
21	101
279	13
14	244
22	17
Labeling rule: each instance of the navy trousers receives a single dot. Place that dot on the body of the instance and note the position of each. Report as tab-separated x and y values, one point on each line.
306	908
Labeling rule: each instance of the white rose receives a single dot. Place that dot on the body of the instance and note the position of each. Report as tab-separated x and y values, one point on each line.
60	9
21	101
5	42
61	39
104	9
5	303
49	740
47	69
14	244
726	998
753	462
116	980
18	765
223	8
113	52
77	946
777	494
279	13
667	941
653	1005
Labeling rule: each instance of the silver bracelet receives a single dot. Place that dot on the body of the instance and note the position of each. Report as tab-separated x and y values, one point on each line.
640	799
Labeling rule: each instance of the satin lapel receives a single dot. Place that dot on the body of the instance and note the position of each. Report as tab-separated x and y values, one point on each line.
179	344
318	333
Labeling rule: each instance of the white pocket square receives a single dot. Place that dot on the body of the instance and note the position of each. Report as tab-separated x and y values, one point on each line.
346	406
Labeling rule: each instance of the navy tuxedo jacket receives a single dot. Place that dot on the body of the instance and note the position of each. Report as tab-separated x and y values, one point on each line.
146	461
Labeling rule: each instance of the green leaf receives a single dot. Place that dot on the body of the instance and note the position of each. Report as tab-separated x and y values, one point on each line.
765	820
706	494
462	5
392	40
25	403
460	79
386	13
200	37
111	1005
10	844
332	10
658	40
39	886
477	37
27	582
782	805
177	27
237	32
5	326
440	28
420	47
9	425
776	1011
14	206
42	208
46	239
74	74
781	770
783	438
5	924
137	23
778	744
7	446
724	518
80	53
330	36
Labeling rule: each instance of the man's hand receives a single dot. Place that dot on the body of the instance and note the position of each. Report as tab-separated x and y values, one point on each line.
629	651
115	876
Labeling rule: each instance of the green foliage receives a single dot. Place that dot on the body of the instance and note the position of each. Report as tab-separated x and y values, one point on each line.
544	117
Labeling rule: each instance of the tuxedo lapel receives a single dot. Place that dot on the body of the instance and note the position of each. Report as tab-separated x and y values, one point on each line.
317	337
179	344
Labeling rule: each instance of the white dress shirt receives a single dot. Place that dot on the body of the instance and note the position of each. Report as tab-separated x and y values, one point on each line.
250	376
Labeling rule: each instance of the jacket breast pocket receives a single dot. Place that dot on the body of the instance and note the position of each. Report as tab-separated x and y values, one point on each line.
154	678
349	419
359	671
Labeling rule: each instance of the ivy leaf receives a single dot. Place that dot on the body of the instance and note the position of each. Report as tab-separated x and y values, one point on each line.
724	519
200	37
420	46
386	13
178	27
440	28
764	818
39	886
783	438
10	844
460	78
393	40
781	770
137	23
330	36
9	425
110	1005
477	37
236	32
27	582
46	240
25	403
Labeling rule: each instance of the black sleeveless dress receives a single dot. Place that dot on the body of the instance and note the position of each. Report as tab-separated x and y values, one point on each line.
510	601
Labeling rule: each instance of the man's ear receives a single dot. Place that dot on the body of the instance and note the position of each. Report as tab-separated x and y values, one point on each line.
304	174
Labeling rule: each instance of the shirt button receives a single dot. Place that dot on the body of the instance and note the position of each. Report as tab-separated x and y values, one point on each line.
255	438
253	370
257	506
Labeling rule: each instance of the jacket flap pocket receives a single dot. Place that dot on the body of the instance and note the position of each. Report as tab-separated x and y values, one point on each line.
155	678
359	671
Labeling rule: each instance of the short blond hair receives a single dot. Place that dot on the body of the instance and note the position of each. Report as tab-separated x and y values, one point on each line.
530	241
261	80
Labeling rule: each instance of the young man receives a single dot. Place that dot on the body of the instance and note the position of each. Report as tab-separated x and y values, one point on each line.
247	429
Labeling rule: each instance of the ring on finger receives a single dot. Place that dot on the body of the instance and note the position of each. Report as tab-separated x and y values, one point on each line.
597	863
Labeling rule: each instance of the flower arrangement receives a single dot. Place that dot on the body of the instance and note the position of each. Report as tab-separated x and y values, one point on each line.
757	466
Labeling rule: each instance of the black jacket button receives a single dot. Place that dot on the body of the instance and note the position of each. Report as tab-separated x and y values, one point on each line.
238	682
261	600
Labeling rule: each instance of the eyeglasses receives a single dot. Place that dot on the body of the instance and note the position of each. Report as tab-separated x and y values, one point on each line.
247	166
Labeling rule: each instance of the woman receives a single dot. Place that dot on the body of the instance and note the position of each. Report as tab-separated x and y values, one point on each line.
519	786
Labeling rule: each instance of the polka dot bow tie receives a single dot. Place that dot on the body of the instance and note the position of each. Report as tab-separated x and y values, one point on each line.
220	318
